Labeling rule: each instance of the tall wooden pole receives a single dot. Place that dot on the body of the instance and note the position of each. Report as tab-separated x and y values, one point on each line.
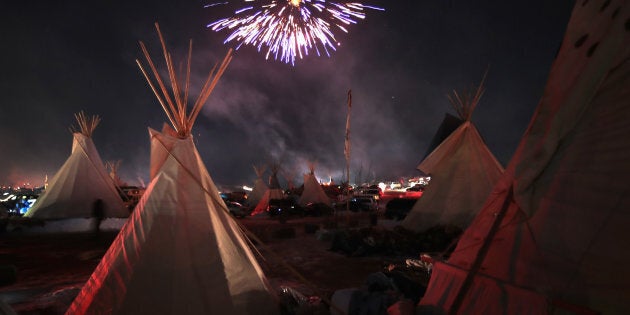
346	152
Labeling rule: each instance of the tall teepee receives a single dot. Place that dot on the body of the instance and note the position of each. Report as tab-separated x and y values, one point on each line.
313	191
259	186
80	181
180	251
463	172
553	236
274	191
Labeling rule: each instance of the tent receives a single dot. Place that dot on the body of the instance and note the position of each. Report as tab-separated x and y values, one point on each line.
259	186
180	251
313	191
274	191
80	181
553	236
463	172
112	167
289	176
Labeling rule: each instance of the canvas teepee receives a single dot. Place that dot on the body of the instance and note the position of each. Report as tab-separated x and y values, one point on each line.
463	172
112	167
313	191
259	186
80	181
289	176
180	251
553	237
274	191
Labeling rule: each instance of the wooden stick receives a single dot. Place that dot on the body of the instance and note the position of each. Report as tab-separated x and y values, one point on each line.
168	113
175	106
158	78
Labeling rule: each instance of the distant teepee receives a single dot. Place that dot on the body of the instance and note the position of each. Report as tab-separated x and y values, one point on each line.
180	252
274	191
289	176
313	191
112	167
259	186
463	172
80	181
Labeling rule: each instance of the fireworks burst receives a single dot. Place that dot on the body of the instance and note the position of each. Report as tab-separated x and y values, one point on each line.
289	29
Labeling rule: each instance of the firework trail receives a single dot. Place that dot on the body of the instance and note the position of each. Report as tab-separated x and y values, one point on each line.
289	29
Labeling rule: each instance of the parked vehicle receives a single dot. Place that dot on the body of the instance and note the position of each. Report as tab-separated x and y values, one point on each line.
375	193
317	209
237	209
414	192
284	207
359	203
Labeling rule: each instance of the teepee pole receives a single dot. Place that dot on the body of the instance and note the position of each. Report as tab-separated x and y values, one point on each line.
171	112
175	105
157	95
465	104
209	88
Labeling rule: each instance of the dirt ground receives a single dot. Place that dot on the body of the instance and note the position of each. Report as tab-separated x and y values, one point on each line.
51	269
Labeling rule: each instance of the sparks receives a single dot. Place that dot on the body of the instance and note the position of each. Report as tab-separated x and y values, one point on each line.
288	29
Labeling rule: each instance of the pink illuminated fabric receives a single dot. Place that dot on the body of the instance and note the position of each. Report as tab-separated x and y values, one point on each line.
564	240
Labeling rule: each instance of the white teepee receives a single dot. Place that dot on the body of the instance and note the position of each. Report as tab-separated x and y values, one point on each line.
112	167
274	191
80	182
553	237
180	252
313	191
463	172
260	187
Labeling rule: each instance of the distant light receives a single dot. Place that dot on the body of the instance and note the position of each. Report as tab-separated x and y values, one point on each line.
247	188
382	186
8	198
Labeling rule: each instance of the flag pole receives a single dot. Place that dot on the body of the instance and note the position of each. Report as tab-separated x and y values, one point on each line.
346	152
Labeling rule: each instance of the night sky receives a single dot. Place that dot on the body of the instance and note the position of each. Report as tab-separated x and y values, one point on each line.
61	57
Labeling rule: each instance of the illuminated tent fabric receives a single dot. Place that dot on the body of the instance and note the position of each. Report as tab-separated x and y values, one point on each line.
259	187
313	191
553	237
463	172
80	181
180	251
274	191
